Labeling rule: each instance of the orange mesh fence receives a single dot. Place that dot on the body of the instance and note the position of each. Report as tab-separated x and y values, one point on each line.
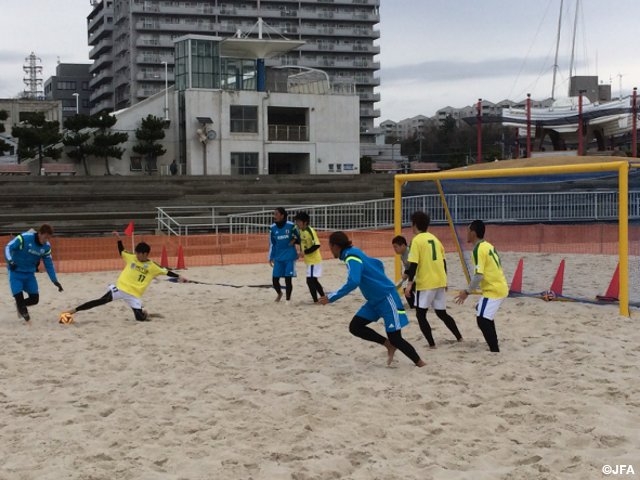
97	254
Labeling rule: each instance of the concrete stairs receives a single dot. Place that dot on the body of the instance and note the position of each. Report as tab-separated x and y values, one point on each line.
79	205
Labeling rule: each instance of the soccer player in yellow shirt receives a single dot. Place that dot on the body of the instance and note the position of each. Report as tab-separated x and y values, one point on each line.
134	279
428	268
310	251
489	277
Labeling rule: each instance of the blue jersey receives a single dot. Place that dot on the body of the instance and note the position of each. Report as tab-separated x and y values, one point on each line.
364	272
26	252
281	246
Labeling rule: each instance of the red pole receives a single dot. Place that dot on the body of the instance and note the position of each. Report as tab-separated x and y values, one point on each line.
634	123
580	135
528	125
479	134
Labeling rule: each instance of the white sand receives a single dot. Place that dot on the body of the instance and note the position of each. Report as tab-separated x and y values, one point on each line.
229	385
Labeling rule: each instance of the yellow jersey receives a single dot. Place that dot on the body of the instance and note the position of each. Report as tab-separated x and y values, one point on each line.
136	276
428	252
309	238
487	263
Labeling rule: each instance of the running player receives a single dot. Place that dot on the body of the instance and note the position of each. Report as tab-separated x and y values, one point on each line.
310	252
399	244
488	275
382	299
283	254
134	279
23	255
427	266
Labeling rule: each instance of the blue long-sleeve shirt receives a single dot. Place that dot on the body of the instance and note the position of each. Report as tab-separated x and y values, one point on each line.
26	252
364	272
281	248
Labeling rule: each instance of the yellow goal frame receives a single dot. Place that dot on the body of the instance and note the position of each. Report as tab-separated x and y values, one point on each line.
622	167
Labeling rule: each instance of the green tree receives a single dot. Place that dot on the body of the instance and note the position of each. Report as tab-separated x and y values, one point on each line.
37	137
4	146
78	139
150	131
105	142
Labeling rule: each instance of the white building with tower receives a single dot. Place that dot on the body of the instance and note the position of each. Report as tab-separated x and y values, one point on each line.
230	114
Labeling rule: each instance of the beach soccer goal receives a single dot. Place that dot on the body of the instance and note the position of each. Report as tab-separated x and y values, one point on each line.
538	207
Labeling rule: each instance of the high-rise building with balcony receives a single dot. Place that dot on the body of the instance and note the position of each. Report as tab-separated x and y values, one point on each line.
132	40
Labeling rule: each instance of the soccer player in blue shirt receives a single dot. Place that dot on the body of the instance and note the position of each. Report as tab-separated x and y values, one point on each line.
23	255
283	254
382	299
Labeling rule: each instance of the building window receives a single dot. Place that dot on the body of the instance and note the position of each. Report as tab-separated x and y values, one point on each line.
66	85
244	163
135	164
244	119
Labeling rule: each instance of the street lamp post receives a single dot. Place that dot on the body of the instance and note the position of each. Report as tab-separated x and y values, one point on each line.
166	91
77	95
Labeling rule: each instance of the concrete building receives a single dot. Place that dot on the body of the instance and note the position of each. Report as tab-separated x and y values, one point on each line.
220	123
132	43
70	85
16	107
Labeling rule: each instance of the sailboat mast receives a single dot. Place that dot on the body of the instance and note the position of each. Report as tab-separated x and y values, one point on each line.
555	61
573	41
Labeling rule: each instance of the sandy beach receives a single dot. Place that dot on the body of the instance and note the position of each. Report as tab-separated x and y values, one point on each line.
227	384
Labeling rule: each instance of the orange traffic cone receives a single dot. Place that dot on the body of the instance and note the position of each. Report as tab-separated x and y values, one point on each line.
164	260
556	286
516	283
614	288
181	265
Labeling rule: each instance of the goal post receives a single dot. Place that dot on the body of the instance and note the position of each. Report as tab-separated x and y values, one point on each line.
622	168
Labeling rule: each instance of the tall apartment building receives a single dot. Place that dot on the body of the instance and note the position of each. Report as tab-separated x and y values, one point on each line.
133	46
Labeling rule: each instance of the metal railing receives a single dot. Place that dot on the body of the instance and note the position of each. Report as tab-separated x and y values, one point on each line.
567	207
288	133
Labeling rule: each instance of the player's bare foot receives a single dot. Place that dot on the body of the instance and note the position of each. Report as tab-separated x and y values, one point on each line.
391	350
420	363
278	297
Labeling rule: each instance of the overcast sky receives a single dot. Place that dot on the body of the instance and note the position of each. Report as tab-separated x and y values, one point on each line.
435	53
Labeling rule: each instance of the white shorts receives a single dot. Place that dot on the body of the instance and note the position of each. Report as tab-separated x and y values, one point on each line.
314	270
488	307
435	297
133	302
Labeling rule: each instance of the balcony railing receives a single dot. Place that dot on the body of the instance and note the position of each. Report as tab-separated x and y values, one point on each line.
288	133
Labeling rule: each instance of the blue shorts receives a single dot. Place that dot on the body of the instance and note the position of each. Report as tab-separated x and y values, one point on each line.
286	268
391	310
23	282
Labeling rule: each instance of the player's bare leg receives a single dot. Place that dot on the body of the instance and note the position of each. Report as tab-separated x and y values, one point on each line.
278	297
391	350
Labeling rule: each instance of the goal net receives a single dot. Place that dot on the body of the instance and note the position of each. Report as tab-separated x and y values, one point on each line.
569	230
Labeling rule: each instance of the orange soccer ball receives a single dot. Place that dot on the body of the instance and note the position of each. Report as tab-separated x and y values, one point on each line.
549	295
65	318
